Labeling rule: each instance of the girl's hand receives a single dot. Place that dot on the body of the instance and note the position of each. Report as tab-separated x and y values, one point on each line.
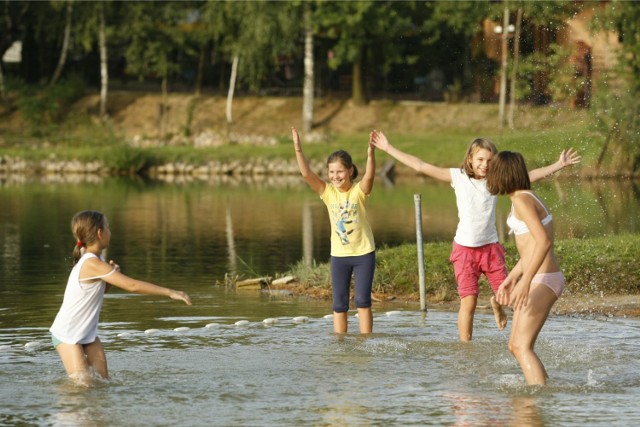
296	139
504	291
569	157
379	140
180	296
520	295
115	266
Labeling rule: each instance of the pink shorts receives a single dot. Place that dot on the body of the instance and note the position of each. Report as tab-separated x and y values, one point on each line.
470	263
554	281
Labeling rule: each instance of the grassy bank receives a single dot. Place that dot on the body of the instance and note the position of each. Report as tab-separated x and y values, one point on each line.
597	266
437	132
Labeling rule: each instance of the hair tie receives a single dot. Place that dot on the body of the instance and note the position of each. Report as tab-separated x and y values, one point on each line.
79	244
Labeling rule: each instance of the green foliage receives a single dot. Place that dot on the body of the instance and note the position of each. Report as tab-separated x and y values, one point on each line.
596	266
604	265
257	31
46	108
616	108
123	159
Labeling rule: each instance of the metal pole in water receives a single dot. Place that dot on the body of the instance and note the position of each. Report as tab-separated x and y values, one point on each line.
417	199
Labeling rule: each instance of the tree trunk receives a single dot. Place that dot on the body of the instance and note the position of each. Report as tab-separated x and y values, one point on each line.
307	91
357	91
65	45
200	75
503	67
514	71
164	107
104	72
232	87
3	89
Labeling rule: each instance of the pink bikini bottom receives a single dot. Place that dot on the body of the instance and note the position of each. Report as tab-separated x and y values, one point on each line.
554	281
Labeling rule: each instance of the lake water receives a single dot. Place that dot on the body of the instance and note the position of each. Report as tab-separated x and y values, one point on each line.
411	371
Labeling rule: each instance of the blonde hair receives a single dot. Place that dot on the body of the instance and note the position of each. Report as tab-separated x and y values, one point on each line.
508	173
85	226
476	144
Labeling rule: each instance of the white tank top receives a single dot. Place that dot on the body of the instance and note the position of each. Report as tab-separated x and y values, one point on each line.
77	319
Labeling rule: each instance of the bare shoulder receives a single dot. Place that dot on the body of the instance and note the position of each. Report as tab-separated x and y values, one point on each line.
94	266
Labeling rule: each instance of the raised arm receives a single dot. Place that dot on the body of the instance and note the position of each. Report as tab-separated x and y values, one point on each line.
316	183
567	157
112	275
366	184
380	141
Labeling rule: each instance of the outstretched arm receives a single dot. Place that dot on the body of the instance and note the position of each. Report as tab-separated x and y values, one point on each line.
380	141
366	184
567	157
316	183
112	275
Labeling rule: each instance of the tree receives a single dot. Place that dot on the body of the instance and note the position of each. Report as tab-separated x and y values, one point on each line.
308	84
616	107
252	35
65	43
357	27
11	29
155	37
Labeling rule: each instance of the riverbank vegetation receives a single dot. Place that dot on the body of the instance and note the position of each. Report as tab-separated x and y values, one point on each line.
213	63
602	266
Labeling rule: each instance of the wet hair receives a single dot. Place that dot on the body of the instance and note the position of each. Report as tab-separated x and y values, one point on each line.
344	158
508	173
476	144
85	226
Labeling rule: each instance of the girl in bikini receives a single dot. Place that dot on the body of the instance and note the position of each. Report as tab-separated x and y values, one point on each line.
536	282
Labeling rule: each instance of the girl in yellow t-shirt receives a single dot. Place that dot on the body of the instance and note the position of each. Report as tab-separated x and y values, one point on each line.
352	244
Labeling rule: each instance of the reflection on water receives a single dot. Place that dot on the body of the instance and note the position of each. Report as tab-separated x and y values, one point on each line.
412	371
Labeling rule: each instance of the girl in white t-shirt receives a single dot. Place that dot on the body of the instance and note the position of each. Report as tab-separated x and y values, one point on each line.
75	329
476	249
352	244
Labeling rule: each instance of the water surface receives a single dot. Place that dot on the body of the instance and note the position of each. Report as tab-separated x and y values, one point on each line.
411	371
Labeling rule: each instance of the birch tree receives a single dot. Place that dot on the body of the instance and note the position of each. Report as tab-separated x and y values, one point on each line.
65	43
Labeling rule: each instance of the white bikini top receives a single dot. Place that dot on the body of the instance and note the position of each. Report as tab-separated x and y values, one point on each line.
518	226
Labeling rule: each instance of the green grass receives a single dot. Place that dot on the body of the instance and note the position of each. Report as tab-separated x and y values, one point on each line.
82	138
604	265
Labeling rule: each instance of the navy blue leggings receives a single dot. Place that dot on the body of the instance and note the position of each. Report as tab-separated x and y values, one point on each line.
342	268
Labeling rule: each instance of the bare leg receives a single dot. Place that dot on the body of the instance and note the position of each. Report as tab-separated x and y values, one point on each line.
527	324
365	316
465	317
75	362
340	323
498	311
96	358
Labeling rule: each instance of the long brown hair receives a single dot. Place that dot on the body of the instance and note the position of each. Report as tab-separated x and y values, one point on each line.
508	173
85	226
476	144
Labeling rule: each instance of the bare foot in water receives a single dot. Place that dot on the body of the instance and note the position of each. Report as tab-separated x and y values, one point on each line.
498	311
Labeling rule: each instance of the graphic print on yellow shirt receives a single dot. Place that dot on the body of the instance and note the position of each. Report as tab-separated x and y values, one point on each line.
350	230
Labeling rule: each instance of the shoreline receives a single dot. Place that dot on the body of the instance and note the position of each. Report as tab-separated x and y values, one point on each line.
623	306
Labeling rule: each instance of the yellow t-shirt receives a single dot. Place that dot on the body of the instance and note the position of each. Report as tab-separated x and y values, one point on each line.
350	230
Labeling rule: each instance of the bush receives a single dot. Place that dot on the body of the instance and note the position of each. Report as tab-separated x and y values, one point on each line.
46	108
